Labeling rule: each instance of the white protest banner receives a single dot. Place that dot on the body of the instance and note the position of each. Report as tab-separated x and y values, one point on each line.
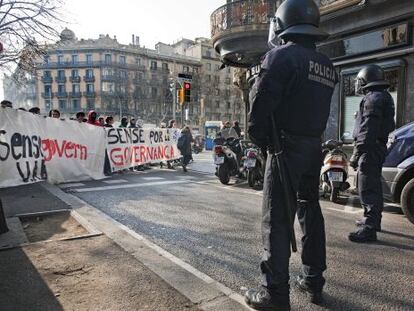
73	151
21	158
34	148
129	147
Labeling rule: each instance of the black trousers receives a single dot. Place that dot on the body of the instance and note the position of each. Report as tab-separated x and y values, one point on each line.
303	158
370	186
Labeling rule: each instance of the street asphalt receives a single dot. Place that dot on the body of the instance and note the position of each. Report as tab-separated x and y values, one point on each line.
216	229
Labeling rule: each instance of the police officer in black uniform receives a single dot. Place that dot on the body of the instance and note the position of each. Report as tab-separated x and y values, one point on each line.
295	86
374	122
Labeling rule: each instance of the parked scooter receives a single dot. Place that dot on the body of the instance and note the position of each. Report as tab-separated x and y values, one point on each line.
334	173
254	164
228	159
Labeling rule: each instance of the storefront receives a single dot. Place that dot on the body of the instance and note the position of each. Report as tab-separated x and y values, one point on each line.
366	32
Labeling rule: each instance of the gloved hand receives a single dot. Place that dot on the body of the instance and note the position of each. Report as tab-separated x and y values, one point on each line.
353	161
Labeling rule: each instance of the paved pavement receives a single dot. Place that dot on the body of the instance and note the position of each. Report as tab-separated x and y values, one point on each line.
216	229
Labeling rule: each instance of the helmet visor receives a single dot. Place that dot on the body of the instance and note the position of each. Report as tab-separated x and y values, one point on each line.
273	39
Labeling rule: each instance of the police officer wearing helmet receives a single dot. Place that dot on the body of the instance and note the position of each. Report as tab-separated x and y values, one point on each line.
294	86
373	123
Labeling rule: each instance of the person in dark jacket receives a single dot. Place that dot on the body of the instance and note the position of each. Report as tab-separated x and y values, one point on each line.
124	122
80	116
185	150
109	121
373	123
236	127
132	123
291	98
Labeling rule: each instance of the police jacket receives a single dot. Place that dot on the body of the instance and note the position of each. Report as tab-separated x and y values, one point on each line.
295	85
374	120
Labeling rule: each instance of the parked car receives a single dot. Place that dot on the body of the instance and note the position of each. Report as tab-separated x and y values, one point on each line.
398	169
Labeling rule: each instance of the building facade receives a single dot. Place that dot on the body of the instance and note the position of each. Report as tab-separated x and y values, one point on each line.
369	32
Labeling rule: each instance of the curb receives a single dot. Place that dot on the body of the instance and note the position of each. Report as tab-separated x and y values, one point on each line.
198	287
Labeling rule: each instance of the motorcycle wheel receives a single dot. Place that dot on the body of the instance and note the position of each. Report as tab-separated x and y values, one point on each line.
224	174
407	200
251	178
334	195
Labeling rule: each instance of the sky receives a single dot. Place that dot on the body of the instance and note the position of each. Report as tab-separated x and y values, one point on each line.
152	20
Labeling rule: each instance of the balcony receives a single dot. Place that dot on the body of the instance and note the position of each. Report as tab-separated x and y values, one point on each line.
90	79
47	95
60	79
239	31
75	94
108	78
75	79
89	94
61	94
46	79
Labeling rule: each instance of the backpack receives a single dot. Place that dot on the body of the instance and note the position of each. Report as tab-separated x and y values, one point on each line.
181	142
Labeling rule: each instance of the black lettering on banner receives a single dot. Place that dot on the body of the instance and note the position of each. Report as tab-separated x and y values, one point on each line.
135	135
141	136
4	147
120	136
16	142
112	137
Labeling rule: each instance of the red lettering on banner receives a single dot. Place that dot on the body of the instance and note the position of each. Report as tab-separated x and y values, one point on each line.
64	149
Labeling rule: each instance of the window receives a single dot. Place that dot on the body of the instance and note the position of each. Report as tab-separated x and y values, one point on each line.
123	74
217	79
61	74
138	61
195	70
227	80
61	88
122	59
75	73
208	65
186	69
48	104
89	73
75	104
76	88
217	104
60	59
47	74
90	103
90	88
107	72
89	59
154	92
217	92
228	69
217	67
351	101
208	53
62	105
228	105
208	78
46	59
108	58
107	87
153	65
48	90
75	59
165	66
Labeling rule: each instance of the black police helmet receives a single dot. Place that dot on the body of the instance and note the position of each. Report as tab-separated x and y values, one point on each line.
299	17
369	76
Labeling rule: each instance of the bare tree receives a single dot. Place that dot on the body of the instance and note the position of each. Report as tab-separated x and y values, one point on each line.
22	25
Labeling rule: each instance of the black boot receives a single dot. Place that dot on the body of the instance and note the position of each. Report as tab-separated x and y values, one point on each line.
361	223
315	294
260	299
363	235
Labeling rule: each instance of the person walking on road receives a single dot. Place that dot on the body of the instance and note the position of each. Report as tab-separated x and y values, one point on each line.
374	121
291	100
184	145
236	127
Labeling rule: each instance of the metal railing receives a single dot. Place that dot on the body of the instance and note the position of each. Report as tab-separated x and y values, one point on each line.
55	65
242	13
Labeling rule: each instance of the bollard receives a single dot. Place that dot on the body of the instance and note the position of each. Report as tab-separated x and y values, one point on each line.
3	223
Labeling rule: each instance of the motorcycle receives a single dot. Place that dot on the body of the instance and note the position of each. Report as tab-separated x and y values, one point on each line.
254	164
228	159
334	173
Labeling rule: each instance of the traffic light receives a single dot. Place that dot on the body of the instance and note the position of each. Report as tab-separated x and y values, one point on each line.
187	92
181	96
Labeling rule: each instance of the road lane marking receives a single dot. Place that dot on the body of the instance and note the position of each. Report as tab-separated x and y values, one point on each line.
135	185
115	181
71	185
153	178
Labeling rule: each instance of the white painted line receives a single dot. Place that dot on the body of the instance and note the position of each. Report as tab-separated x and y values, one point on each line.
71	185
136	185
153	178
115	181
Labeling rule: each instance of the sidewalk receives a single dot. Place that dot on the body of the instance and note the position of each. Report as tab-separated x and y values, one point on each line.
57	261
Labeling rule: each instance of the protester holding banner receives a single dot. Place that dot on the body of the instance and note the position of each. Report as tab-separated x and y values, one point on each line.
109	121
54	113
124	122
92	118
